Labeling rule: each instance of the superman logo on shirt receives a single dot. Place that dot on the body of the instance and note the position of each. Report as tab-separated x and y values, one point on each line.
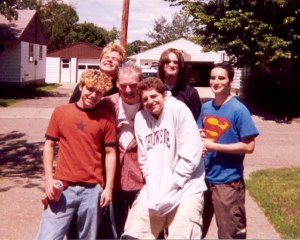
215	126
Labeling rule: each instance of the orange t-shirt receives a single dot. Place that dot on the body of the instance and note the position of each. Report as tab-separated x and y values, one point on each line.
82	136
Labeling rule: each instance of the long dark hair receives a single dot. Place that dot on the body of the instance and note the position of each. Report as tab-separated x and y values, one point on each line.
164	58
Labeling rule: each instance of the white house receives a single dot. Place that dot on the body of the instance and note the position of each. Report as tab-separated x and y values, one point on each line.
67	64
197	62
23	48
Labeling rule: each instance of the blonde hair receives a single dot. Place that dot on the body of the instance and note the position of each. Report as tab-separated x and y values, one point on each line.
97	80
114	47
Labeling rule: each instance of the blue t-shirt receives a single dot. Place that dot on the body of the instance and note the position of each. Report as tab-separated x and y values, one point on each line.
225	124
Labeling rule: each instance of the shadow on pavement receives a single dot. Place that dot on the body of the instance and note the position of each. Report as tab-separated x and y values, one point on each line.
20	158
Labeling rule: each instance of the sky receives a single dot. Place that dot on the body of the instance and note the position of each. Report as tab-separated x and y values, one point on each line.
108	14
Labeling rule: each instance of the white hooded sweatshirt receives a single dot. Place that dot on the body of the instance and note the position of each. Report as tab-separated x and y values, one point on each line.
169	154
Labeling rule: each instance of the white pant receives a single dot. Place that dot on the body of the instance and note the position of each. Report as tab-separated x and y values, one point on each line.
184	222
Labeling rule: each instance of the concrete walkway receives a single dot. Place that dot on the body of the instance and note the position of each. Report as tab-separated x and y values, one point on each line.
22	128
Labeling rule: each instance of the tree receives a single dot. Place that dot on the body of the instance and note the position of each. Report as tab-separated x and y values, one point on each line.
8	7
58	20
90	33
135	47
164	31
252	32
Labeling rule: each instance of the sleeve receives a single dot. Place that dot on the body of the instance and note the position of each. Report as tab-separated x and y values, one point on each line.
110	137
246	125
53	132
188	144
142	154
75	95
200	119
195	104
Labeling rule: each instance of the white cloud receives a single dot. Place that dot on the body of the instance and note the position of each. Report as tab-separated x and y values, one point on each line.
108	14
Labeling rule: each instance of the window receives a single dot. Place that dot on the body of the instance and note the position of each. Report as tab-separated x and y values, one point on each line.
65	62
93	67
82	67
41	52
30	53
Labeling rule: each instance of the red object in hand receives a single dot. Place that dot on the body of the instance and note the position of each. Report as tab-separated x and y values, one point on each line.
58	187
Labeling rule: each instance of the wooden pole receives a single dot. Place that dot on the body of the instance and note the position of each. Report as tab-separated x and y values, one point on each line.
124	24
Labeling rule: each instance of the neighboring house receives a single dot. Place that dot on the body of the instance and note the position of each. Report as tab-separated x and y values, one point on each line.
65	65
23	48
198	63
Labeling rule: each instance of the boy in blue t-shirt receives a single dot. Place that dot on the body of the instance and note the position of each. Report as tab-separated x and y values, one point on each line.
228	133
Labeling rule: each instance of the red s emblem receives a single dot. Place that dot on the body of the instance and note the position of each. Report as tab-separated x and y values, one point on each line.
215	126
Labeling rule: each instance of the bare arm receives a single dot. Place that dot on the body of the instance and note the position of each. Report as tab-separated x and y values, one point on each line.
110	169
247	145
48	159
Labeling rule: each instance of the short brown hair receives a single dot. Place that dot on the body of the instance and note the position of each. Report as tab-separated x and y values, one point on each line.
114	47
96	79
152	83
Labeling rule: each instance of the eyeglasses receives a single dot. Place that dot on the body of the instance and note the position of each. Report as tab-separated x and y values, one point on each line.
171	61
132	86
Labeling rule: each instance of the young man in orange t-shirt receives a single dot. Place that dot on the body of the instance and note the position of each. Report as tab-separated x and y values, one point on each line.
85	133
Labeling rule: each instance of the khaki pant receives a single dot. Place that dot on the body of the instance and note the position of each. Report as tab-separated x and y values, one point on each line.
184	222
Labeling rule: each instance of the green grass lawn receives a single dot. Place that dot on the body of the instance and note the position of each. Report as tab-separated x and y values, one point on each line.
277	192
11	95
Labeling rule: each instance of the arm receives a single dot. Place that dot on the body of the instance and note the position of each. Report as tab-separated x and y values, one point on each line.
188	144
195	104
48	159
110	169
246	145
142	158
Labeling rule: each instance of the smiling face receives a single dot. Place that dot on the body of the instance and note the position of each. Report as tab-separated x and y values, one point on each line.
127	84
90	97
110	62
219	81
153	101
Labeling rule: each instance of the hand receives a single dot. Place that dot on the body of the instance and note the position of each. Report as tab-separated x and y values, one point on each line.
202	133
49	188
106	198
208	144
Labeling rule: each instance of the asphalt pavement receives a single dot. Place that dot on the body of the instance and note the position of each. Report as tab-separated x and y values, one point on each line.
22	128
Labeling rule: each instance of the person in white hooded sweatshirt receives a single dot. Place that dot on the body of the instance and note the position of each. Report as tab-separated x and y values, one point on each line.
169	154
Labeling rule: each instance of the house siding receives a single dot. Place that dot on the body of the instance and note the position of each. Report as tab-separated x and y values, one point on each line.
52	70
31	71
10	63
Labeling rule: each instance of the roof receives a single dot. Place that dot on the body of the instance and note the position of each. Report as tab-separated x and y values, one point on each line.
26	28
190	50
77	50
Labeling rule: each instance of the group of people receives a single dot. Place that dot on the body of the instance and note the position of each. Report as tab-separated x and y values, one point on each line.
147	155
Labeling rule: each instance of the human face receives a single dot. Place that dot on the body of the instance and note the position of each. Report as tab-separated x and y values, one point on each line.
90	97
219	81
153	101
110	62
127	84
171	66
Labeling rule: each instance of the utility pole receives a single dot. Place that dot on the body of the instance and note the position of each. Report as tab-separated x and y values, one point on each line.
124	24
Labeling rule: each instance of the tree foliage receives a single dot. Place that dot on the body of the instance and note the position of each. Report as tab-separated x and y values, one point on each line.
251	31
136	46
58	20
91	33
164	31
8	7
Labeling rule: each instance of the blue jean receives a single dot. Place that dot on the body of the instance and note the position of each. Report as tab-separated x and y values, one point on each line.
82	200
